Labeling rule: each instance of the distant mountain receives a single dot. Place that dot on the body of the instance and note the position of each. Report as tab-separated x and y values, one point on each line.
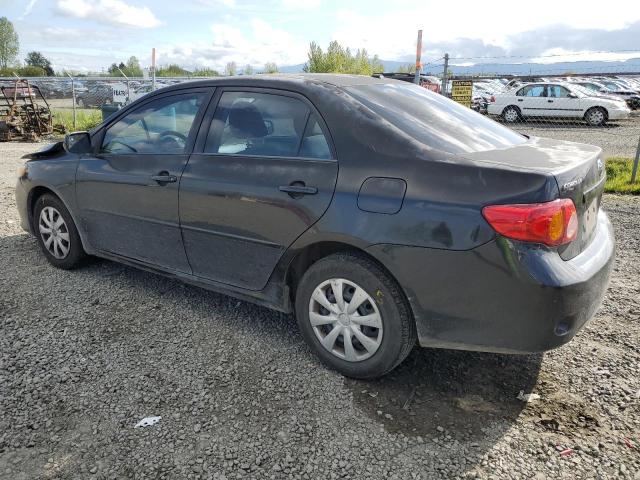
291	68
560	68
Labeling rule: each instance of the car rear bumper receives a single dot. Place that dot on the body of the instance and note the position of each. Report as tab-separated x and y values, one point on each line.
503	296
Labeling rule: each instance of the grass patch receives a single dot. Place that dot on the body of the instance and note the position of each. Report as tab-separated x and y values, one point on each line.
86	118
619	176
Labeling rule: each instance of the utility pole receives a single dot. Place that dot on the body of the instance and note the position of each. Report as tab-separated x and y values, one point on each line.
634	172
416	80
443	90
73	96
153	69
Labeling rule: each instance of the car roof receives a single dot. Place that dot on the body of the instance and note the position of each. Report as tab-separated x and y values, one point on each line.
297	80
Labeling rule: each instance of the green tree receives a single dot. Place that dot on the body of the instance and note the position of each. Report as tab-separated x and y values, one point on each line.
231	68
205	72
9	43
248	69
270	67
36	59
408	68
338	59
31	71
133	67
172	70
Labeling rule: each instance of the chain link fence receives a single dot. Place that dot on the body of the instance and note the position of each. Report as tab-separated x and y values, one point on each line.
596	107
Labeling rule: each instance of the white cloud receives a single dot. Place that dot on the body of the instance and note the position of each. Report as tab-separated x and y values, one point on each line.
112	12
301	4
391	33
261	43
217	3
28	8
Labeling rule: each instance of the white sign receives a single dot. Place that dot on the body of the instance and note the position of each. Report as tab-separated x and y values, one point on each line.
119	92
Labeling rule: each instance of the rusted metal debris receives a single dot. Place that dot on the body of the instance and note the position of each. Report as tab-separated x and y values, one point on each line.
24	112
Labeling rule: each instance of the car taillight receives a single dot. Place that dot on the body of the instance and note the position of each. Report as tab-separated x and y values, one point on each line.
551	223
492	99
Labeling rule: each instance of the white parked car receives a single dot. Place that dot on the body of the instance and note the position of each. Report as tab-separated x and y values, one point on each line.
558	99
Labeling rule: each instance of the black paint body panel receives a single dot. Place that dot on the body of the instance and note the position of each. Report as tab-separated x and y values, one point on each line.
226	226
382	195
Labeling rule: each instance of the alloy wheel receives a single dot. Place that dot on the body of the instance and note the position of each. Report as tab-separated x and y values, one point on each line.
511	115
596	117
346	320
54	232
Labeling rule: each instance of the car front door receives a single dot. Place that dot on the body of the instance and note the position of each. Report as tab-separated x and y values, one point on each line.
561	104
532	101
127	190
262	173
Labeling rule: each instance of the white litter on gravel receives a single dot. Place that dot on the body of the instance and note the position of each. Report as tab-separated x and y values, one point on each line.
147	422
528	397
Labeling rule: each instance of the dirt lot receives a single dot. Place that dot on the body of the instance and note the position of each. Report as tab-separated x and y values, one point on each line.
85	355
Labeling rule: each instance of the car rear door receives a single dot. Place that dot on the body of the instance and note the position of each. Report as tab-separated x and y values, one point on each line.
262	173
128	190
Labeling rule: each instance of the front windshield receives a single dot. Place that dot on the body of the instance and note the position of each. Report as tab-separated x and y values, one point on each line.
591	86
433	119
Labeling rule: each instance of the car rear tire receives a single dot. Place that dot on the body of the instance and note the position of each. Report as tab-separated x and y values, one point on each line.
363	332
511	114
57	234
596	116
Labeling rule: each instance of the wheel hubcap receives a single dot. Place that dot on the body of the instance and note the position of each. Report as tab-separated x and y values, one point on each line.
345	319
511	115
54	232
596	117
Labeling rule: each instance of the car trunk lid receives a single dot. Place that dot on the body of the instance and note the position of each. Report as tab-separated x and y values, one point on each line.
577	168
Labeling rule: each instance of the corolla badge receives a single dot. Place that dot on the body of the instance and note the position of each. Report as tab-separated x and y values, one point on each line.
572	184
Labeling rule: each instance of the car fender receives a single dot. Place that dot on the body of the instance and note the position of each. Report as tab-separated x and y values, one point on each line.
60	177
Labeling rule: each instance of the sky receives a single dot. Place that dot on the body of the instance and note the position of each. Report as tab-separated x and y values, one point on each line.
89	35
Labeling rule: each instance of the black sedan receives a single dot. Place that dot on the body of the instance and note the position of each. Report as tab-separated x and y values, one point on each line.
380	213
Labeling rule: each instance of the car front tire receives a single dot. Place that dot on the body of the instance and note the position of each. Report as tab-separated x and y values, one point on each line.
57	233
354	316
596	116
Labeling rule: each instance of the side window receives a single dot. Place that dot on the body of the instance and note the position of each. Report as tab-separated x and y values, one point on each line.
264	124
159	127
314	143
557	91
533	91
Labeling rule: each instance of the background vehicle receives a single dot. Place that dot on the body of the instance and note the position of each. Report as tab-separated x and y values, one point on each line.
233	185
559	100
94	95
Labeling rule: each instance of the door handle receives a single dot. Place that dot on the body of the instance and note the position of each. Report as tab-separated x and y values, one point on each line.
520	99
298	189
550	101
164	177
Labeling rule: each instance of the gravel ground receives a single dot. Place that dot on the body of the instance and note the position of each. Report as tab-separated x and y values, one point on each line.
617	138
85	355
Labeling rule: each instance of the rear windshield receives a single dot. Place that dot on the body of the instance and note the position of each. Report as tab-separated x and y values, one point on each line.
433	119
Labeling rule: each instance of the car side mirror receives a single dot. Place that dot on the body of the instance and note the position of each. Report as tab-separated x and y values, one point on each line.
572	95
77	142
